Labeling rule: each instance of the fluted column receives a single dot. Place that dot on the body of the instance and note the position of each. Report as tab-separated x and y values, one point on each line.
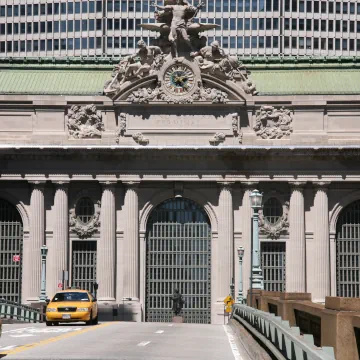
246	219
225	241
295	249
106	245
32	255
58	250
131	241
321	274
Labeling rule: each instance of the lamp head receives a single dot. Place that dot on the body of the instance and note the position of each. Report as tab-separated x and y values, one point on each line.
44	250
256	199
240	251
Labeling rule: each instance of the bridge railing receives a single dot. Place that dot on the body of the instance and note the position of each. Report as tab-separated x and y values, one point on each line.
14	311
283	341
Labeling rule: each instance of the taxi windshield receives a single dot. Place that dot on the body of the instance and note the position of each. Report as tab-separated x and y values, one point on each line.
71	296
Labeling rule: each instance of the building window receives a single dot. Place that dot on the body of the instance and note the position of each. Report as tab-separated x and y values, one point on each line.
273	210
85	210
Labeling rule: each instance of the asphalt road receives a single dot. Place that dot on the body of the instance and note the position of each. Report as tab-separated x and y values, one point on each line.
120	341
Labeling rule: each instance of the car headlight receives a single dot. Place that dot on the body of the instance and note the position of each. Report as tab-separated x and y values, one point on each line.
82	309
51	310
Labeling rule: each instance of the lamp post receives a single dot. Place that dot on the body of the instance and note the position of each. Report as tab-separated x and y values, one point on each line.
257	281
44	251
240	297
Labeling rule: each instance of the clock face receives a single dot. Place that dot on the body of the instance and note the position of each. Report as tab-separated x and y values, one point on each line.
179	79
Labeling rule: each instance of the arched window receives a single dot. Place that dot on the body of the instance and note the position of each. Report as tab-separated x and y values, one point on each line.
348	251
273	210
85	210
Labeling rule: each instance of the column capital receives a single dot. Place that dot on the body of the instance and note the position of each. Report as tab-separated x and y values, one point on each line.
131	184
62	184
247	185
37	184
297	185
321	185
226	184
108	184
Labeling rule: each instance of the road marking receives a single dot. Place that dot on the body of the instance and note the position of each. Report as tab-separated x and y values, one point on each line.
54	339
8	347
159	332
15	330
170	325
21	335
232	343
144	343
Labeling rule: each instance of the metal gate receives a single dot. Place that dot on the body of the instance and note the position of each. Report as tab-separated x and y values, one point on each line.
178	257
348	251
11	242
273	258
84	264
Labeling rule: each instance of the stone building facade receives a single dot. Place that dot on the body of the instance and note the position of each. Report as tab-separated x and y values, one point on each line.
105	195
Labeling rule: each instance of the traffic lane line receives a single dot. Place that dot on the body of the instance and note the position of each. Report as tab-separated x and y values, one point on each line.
144	343
52	340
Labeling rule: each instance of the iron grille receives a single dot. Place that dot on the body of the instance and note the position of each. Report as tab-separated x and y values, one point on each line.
273	258
11	241
84	264
348	251
179	257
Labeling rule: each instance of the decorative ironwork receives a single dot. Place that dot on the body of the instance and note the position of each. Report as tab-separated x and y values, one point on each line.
178	257
348	251
273	261
11	242
84	264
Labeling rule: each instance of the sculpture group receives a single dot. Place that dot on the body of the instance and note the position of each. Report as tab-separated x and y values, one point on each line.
179	38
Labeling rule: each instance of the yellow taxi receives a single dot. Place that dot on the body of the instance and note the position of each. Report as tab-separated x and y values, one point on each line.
72	305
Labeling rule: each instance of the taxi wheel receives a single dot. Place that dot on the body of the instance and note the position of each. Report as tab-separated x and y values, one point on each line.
96	320
56	323
49	323
90	322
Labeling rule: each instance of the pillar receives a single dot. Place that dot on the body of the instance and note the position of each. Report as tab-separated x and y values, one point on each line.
131	241
321	267
58	250
296	246
106	250
225	249
32	254
246	219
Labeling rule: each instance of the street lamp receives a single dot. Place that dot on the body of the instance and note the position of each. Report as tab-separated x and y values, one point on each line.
257	281
44	251
240	297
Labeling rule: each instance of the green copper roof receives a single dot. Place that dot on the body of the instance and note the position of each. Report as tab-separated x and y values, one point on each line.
272	76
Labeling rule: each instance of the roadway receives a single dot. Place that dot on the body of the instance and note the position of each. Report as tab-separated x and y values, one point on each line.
120	341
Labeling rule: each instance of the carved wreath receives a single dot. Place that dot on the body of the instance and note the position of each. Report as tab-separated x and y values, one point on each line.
85	122
85	230
272	123
273	231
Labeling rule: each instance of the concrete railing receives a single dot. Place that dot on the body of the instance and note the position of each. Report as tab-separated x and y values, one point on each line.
13	311
283	341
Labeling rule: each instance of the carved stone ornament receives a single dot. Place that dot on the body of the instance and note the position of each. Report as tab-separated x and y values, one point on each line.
140	138
272	123
235	127
85	122
122	127
84	231
273	231
217	138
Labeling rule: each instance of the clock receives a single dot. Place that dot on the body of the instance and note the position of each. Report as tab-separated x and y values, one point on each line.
179	79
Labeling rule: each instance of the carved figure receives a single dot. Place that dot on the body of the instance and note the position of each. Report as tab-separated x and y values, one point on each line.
273	231
122	127
217	138
150	59
84	122
272	123
182	13
178	302
140	138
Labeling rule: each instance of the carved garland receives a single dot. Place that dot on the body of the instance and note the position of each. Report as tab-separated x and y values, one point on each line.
274	231
85	230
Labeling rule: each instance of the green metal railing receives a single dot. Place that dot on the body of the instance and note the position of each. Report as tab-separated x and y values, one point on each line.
13	311
283	341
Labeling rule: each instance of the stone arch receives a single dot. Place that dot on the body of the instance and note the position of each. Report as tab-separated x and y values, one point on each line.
162	195
339	206
20	207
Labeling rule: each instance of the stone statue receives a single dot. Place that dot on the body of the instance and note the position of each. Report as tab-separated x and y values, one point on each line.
182	13
150	58
178	302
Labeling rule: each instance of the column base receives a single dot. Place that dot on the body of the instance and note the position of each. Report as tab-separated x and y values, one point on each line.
130	310
218	314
